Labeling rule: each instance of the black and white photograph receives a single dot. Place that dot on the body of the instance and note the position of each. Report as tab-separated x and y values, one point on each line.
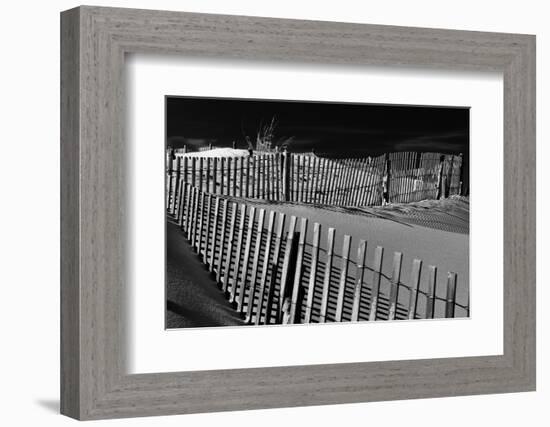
284	212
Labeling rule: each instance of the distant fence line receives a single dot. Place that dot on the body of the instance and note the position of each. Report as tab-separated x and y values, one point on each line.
401	177
275	271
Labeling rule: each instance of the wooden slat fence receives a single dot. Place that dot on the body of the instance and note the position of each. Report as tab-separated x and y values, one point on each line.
368	181
279	269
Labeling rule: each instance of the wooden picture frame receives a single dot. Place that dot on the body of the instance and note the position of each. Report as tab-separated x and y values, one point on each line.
94	41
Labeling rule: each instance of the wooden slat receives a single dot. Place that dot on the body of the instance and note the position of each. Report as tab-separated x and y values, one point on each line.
330	183
170	177
222	176
193	171
299	181
351	182
274	267
255	263
309	182
359	277
247	180
234	179
343	182
246	260
357	189
177	180
179	196
270	179
338	169
256	180
215	175
343	278
320	182
240	235
376	277
328	272
187	209
371	182
222	241
348	182
230	248
317	174
432	285
193	217
207	177
260	159
200	171
207	229
394	281
451	295
313	271
241	177
214	235
285	279
265	269
183	201
367	177
230	180
296	289
415	281
277	166
201	219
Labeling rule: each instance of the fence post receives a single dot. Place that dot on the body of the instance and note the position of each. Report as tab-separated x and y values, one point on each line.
432	284
359	275
376	276
297	292
169	166
247	248
274	267
288	267
241	171
234	184
233	292
207	229
449	177
286	176
193	171
230	246
328	273
246	191
343	278
222	242
214	234
183	201
264	276
386	179
176	183
440	189
222	175
395	278
201	223
313	271
415	280
451	295
188	205
192	218
257	248
177	200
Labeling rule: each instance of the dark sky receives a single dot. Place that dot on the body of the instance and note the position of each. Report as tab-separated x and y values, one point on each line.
332	128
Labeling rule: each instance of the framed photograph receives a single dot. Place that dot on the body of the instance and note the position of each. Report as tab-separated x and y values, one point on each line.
337	212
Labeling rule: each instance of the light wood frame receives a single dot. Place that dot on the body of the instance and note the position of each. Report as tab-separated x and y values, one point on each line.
94	42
